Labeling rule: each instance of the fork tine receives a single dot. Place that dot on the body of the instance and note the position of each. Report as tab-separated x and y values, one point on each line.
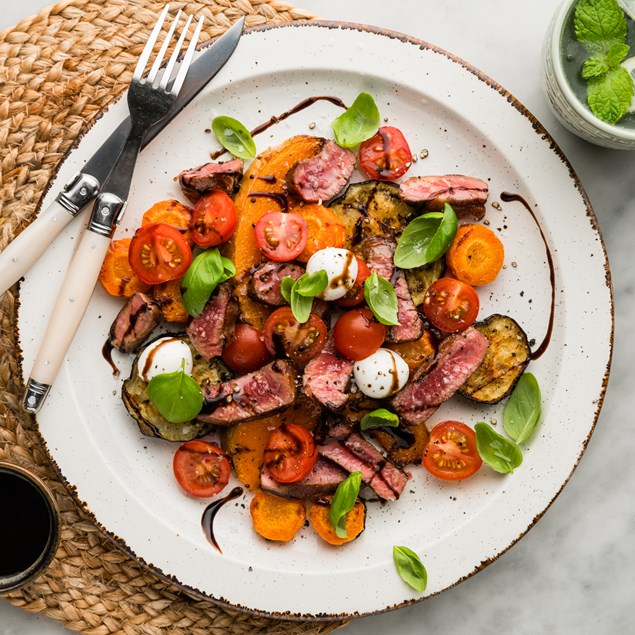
164	46
175	55
187	59
147	49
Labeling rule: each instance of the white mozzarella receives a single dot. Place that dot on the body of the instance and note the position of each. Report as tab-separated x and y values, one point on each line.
166	355
341	269
382	374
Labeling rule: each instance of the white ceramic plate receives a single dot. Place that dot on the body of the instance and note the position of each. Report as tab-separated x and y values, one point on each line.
469	125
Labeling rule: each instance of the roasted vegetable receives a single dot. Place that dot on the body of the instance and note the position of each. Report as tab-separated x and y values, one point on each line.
404	444
371	208
507	357
134	394
276	518
420	278
319	518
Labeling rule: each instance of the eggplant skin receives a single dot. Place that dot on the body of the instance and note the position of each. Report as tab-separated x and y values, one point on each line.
507	357
420	278
134	394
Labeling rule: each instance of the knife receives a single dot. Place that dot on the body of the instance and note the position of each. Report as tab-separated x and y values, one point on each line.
19	255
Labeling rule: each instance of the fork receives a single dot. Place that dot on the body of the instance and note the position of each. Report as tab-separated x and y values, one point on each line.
149	100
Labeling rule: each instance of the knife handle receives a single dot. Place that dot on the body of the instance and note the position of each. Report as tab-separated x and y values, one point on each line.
20	254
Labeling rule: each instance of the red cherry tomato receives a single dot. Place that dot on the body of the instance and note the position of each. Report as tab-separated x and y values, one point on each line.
281	236
285	335
201	468
450	452
357	334
451	305
356	295
386	156
214	219
290	453
247	351
159	253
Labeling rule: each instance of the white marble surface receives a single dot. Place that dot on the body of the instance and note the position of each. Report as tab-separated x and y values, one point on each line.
574	572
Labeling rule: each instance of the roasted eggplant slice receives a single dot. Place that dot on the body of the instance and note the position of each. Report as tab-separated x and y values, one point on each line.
134	394
371	208
404	444
507	357
420	278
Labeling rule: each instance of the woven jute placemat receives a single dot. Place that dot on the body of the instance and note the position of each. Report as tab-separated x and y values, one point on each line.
57	71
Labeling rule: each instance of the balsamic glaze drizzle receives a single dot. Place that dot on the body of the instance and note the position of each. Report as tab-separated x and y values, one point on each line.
207	520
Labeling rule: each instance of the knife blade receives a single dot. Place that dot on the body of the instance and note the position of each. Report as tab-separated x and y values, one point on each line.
19	255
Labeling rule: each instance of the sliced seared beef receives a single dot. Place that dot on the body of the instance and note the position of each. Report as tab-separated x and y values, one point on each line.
265	281
323	479
134	323
378	252
215	326
355	454
458	357
466	194
324	175
264	391
211	176
411	325
327	378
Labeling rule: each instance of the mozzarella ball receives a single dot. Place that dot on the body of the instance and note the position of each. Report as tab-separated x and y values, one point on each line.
382	374
341	269
165	355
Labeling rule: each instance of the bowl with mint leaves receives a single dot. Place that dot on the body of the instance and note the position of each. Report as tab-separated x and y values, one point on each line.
589	57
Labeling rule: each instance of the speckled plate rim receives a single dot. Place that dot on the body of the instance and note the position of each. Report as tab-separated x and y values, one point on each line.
541	132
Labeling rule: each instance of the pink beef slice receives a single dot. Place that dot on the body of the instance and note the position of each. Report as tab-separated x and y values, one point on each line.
323	479
458	357
378	253
411	325
264	391
211	176
134	323
324	175
327	378
265	281
210	331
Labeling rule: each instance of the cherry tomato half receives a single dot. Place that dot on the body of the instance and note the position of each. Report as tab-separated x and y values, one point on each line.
158	253
451	305
214	219
300	342
247	351
386	156
357	334
201	468
281	236
356	295
290	453
450	452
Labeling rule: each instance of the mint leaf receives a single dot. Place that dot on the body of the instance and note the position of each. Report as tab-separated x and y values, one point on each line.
616	54
595	66
599	23
610	95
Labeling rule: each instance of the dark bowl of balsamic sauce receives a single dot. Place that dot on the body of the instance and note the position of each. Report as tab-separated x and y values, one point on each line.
29	527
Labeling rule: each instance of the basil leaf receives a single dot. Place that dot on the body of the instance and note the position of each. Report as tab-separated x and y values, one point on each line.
233	136
176	396
380	418
599	23
285	288
343	501
426	238
501	454
410	568
358	123
301	292
207	271
312	284
381	299
522	411
300	305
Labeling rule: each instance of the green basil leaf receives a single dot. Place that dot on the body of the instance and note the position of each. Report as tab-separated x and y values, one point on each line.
300	305
610	95
358	123
426	238
410	568
599	23
501	454
233	136
207	271
312	284
285	288
381	299
176	396
522	411
380	418
343	501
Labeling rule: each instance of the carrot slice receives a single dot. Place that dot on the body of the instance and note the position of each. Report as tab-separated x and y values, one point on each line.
277	518
168	296
476	255
116	275
172	213
320	521
325	229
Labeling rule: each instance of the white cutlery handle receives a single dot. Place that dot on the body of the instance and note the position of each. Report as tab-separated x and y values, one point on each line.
68	312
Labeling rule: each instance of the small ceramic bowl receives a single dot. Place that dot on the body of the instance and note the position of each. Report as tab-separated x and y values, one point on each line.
570	108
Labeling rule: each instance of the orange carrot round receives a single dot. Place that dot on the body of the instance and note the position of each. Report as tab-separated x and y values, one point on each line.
116	275
170	212
320	521
168	296
325	229
476	255
276	518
